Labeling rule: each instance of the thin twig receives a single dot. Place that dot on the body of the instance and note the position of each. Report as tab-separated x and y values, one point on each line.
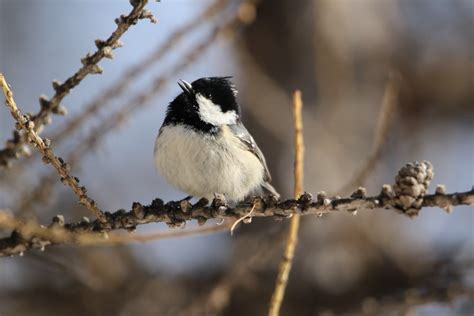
247	217
143	238
15	146
292	239
26	124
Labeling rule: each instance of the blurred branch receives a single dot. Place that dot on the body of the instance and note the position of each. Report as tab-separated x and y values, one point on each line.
243	271
58	233
406	196
17	145
292	239
112	121
415	297
104	99
115	119
117	89
143	238
27	125
384	123
40	194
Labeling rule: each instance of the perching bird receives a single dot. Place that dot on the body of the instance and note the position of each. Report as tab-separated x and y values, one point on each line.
204	149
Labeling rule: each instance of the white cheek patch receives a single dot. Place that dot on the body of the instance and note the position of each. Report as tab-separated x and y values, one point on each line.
212	114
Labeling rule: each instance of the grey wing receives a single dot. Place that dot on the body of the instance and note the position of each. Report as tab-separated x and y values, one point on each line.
249	143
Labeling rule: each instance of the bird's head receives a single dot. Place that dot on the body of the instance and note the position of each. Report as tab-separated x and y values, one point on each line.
213	99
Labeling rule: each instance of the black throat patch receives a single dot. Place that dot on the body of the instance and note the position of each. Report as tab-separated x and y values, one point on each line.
183	110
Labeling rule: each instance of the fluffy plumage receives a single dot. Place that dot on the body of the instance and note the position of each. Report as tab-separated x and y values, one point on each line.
203	148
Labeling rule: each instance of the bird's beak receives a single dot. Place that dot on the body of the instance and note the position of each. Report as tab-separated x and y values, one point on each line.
186	86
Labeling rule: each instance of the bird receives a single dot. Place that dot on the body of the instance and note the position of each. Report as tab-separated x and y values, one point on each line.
204	149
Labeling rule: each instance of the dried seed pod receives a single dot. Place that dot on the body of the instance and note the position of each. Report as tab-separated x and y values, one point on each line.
387	191
97	70
59	220
138	210
60	110
86	60
99	43
47	142
44	102
360	193
411	184
56	85
117	44
108	52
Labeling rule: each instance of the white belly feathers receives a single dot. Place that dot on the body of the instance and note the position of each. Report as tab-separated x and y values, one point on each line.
202	165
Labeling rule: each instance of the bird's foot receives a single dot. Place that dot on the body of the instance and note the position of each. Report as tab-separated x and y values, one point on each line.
219	201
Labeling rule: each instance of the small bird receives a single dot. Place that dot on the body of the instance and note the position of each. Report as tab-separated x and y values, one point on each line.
203	148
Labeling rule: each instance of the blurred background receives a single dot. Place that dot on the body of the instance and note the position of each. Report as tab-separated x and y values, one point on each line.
384	83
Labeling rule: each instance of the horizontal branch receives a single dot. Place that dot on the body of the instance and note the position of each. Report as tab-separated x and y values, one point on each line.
177	213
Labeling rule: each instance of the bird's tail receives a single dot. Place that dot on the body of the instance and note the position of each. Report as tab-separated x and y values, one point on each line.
269	189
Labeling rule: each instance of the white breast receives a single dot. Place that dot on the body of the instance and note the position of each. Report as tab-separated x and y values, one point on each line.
202	165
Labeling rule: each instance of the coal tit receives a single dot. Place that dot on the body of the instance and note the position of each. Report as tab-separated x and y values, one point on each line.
203	148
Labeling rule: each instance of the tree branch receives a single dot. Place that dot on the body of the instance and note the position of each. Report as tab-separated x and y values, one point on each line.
117	117
117	89
17	145
403	304
27	125
177	213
